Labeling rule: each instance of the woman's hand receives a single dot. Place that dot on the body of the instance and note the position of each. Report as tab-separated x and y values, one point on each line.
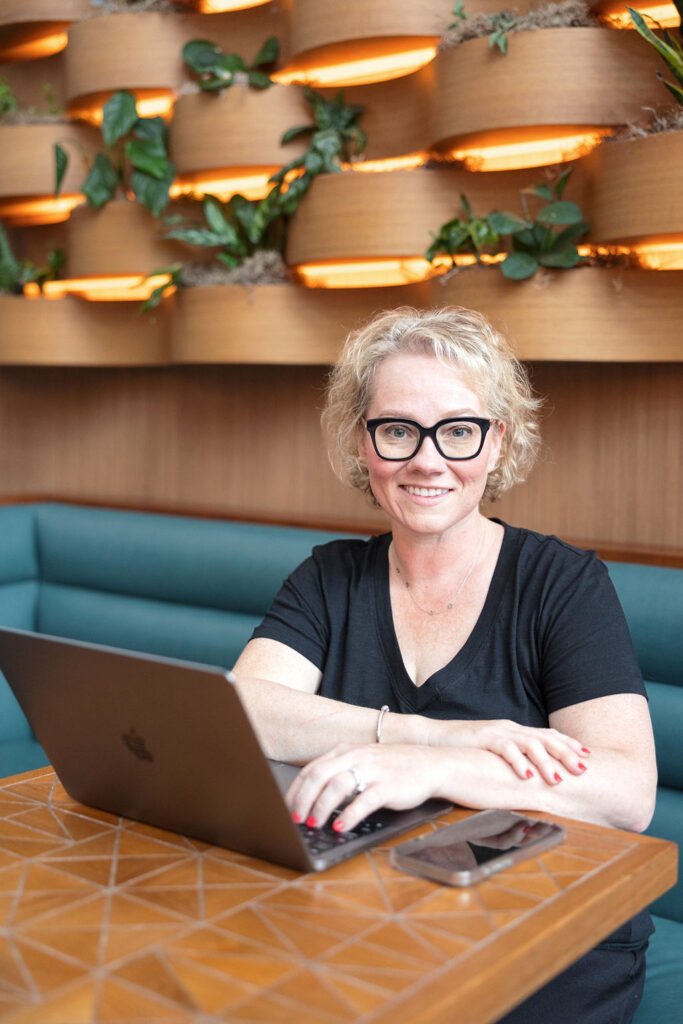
527	750
397	776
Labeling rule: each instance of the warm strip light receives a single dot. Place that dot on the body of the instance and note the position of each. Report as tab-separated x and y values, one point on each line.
508	156
381	271
659	255
224	185
359	71
123	288
665	15
38	209
392	163
33	49
149	103
218	6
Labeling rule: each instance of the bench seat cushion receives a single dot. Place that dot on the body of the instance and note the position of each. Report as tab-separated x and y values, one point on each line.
661	1003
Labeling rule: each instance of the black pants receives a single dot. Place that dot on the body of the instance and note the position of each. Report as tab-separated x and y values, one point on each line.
604	987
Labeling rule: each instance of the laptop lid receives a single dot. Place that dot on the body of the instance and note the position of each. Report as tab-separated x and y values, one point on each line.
166	742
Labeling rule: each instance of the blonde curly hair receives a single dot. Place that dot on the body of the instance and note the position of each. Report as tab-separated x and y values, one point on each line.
457	337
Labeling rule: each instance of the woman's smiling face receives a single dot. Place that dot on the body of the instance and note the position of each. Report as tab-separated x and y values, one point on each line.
428	493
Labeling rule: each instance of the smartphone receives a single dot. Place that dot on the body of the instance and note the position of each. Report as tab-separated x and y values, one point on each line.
477	847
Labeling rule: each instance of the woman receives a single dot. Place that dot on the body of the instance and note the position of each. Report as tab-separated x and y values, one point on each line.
501	656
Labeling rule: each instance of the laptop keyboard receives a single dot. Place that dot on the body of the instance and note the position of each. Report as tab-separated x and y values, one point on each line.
320	839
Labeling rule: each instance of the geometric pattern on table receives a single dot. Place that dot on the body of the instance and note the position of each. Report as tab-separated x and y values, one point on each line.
105	919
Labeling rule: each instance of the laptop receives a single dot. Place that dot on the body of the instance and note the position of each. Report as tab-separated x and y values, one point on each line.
170	743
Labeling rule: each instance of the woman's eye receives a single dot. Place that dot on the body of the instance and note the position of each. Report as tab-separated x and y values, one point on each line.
461	431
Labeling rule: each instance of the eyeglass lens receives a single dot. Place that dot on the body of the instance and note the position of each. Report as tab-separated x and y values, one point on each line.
459	439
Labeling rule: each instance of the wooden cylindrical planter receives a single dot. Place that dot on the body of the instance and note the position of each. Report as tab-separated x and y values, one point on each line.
121	239
235	133
27	171
36	28
591	314
273	324
395	116
142	52
636	188
355	217
551	82
72	332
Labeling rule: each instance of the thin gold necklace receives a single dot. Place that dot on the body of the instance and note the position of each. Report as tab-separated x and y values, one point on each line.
451	603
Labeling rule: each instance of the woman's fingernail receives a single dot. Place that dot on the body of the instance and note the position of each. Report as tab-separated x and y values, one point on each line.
581	767
584	750
529	773
338	825
296	817
556	776
311	822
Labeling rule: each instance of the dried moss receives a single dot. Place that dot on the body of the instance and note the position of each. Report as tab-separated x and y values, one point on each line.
661	121
264	267
565	14
30	116
101	7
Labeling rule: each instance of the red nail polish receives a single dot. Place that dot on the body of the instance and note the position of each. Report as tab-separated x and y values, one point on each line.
338	825
529	773
296	817
311	822
581	767
584	750
557	777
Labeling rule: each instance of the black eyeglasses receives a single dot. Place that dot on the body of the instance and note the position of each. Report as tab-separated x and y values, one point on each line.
455	439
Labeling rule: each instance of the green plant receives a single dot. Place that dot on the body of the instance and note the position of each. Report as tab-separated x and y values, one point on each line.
669	48
217	70
458	13
535	241
465	234
8	101
170	285
14	273
136	159
501	23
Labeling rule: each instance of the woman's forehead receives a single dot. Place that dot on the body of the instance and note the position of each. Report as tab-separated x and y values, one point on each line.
421	378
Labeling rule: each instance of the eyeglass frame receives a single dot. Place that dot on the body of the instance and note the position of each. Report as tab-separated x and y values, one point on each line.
483	424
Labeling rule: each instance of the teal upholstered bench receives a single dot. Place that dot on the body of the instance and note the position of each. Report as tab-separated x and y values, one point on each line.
195	588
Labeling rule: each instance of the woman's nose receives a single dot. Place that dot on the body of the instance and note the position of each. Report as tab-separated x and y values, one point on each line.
428	456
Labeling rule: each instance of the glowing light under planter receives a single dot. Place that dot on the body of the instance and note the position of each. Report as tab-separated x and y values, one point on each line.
381	271
525	147
149	103
224	182
328	66
659	253
219	6
121	288
615	15
33	49
391	163
27	210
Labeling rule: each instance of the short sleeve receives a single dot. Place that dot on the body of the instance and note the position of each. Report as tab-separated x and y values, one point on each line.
586	649
298	617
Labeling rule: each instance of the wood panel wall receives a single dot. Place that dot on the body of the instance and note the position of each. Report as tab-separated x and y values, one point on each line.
245	441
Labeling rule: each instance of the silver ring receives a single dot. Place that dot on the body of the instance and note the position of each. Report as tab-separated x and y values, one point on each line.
360	785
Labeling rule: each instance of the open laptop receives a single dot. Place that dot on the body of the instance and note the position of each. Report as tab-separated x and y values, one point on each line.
169	743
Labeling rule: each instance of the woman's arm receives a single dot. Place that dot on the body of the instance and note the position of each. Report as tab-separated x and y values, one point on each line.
618	791
278	686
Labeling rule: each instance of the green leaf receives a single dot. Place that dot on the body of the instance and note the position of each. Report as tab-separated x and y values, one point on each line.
152	129
243	210
507	223
219	225
101	182
228	63
295	193
214	84
543	191
561	212
568	256
499	39
571	234
675	90
268	54
670	55
118	117
196	236
293	133
314	162
148	156
61	164
259	79
9	268
519	265
456	236
229	260
152	192
465	205
200	54
562	183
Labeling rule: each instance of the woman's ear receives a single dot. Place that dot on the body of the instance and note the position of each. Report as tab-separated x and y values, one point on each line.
497	431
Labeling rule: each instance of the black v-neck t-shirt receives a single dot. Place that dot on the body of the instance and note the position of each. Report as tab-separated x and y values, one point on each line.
551	633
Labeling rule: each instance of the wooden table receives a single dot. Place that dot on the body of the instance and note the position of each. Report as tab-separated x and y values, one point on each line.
108	920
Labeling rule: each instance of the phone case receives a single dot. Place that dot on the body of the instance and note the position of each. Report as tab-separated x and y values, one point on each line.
489	825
